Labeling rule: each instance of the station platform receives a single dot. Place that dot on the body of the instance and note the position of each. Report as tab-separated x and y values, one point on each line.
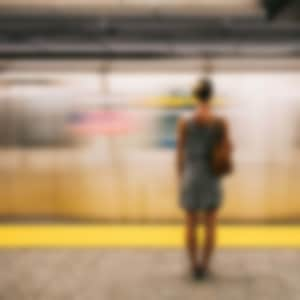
121	274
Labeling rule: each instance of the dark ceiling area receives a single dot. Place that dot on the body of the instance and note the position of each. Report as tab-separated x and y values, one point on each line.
275	7
53	35
282	9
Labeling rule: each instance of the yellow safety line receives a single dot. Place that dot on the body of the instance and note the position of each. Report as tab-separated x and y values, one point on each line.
133	236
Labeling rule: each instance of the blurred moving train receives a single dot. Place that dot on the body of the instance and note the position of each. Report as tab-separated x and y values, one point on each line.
80	144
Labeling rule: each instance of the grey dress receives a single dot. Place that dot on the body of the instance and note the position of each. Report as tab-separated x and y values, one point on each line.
200	189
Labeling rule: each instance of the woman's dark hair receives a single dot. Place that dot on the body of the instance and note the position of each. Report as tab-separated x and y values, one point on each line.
203	90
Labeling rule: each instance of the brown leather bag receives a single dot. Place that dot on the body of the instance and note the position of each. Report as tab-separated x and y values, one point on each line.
222	151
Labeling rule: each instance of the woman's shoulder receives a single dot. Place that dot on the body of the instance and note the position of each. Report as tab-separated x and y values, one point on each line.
220	120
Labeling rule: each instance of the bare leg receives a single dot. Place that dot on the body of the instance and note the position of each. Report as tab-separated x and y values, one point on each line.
191	238
210	224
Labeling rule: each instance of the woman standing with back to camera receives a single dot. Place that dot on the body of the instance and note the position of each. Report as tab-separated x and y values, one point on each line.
203	156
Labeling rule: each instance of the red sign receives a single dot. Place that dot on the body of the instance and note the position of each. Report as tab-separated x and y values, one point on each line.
104	122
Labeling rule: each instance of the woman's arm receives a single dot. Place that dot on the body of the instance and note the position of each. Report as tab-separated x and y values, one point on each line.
227	135
181	136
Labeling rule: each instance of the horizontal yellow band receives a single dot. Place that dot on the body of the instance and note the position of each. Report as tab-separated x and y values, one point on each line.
154	236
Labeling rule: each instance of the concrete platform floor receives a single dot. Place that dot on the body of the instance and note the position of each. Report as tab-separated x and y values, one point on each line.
105	274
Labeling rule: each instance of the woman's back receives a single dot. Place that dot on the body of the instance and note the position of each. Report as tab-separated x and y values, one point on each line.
200	137
200	187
